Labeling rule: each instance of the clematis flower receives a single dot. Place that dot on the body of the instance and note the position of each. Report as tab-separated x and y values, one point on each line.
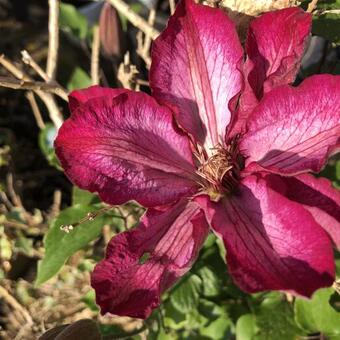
224	143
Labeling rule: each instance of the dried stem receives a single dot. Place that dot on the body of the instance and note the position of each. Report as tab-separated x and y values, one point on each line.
53	38
35	109
148	39
134	18
28	60
32	85
15	305
312	6
330	11
95	56
172	6
47	98
55	208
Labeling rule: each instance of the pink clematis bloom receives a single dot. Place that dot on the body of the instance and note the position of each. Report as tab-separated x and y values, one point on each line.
224	144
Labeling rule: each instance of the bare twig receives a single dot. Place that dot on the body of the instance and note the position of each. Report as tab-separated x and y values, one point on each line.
47	98
312	6
172	6
329	11
12	194
15	305
55	208
148	39
134	18
28	60
95	56
32	85
53	38
35	109
143	45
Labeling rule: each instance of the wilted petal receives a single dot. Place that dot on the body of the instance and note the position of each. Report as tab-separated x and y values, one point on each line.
317	195
141	263
80	97
272	243
295	129
126	148
194	68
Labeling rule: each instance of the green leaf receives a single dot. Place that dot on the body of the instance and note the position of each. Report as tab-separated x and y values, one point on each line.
218	329
328	26
46	139
245	327
275	319
90	300
59	246
78	80
185	296
328	4
212	284
73	21
84	197
334	301
337	170
173	318
317	315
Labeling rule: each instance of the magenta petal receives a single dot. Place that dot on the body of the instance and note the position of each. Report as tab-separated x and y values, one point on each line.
80	97
275	45
295	129
170	241
194	68
317	195
272	243
126	148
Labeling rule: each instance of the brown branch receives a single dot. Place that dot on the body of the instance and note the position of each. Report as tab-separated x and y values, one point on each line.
95	56
134	18
172	6
17	84
312	6
35	109
15	305
28	60
47	98
53	38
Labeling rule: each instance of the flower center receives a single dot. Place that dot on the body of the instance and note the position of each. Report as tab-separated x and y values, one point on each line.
221	171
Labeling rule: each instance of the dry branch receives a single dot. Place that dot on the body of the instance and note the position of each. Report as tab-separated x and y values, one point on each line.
134	18
53	38
17	84
47	98
95	56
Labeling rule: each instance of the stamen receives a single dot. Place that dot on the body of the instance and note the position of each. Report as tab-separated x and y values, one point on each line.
221	171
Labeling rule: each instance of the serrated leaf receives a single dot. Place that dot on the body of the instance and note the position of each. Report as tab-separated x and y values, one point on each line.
275	320
73	21
328	4
185	296
245	327
212	285
218	329
59	246
173	318
328	26
78	80
316	314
